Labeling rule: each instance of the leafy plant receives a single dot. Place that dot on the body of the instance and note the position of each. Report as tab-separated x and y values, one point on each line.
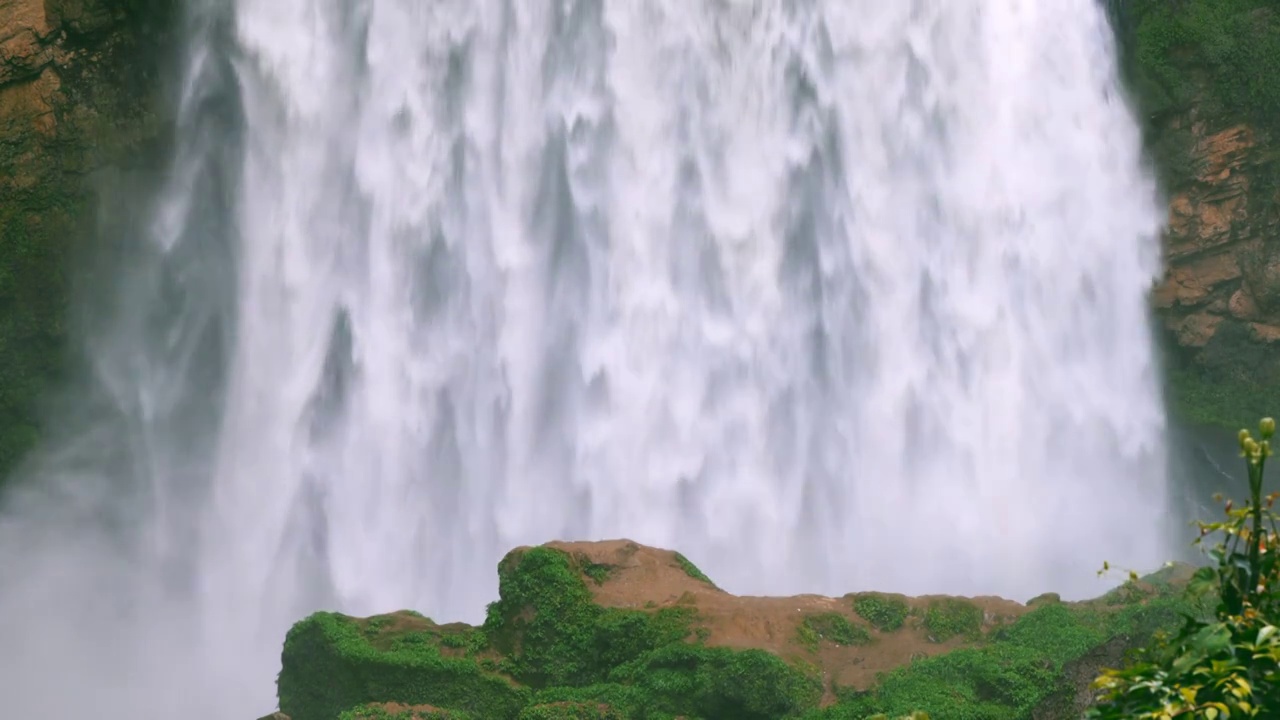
833	628
885	614
952	617
1227	665
692	570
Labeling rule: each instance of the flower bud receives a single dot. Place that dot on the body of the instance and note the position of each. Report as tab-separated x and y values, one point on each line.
1244	437
1267	427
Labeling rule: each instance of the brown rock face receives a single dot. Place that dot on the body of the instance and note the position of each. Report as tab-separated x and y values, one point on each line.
78	87
1222	255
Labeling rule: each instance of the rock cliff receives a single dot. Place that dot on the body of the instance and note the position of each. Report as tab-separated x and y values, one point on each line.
79	94
1219	300
1202	73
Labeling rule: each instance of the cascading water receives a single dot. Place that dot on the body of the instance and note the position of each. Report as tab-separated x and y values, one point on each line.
829	295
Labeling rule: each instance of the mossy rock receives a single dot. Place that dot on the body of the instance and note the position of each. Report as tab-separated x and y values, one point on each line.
1049	598
551	631
546	647
721	684
333	663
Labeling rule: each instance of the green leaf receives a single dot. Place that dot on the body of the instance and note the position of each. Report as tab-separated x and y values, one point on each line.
1266	633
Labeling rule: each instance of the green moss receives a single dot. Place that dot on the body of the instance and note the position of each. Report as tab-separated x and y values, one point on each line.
720	684
569	710
1216	397
33	299
952	617
598	572
332	663
386	711
628	701
830	627
692	570
1021	666
1224	51
553	634
884	613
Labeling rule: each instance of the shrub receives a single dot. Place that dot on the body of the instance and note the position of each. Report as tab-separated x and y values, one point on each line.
884	613
830	627
952	617
1228	665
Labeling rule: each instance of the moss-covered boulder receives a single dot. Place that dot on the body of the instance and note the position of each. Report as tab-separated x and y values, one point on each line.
616	630
334	663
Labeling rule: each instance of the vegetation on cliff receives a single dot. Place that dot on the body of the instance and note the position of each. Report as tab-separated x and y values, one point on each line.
1220	55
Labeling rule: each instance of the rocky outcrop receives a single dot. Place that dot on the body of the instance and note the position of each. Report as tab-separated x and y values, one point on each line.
1199	72
1221	249
79	85
618	630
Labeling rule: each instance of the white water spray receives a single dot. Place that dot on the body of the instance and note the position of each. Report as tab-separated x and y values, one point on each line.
829	295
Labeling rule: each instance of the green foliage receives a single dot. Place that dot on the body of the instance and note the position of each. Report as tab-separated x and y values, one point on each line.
596	571
1213	397
387	711
1010	676
1228	665
692	570
1224	51
570	710
33	298
952	617
830	627
553	634
472	640
629	701
884	613
719	683
331	664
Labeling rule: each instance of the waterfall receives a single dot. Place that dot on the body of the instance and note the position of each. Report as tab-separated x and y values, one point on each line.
828	294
